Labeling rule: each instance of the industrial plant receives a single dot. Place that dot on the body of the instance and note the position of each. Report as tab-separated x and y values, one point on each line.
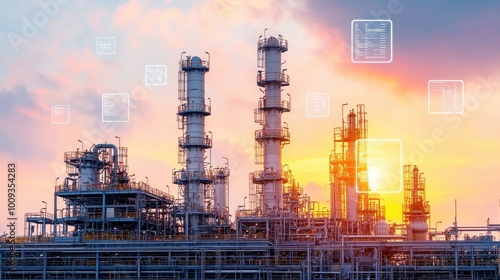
112	226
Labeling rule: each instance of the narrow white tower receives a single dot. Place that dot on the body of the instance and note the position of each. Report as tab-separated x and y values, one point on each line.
271	138
221	194
352	197
194	178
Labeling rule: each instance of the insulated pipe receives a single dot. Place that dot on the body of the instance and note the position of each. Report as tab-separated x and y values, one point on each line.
96	149
415	197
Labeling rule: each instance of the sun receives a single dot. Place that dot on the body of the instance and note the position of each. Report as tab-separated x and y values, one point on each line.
374	178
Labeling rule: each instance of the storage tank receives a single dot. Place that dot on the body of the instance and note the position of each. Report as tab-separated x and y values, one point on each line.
381	228
417	231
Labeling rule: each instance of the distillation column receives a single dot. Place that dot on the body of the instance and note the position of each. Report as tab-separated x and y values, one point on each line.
221	194
351	194
349	199
416	211
271	138
193	180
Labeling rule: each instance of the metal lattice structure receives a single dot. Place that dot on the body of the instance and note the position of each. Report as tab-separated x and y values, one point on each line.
416	210
353	207
253	259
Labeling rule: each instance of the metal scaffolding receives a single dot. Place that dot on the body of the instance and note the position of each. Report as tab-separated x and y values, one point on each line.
254	258
353	207
416	210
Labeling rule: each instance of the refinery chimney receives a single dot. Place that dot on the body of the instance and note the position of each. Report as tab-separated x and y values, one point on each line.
273	135
416	210
353	207
193	179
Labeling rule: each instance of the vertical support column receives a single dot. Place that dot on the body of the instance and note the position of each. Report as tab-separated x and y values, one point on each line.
138	265
103	211
97	265
309	256
44	264
54	229
1	270
138	212
202	264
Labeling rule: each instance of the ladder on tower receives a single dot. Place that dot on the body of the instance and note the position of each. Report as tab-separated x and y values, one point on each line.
181	122
182	85
258	116
260	58
259	153
362	122
181	156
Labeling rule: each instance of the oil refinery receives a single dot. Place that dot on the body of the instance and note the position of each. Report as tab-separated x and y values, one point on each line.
111	226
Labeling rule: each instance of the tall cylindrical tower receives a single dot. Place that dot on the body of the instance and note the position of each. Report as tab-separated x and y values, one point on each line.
351	195
353	207
193	178
221	194
416	210
271	138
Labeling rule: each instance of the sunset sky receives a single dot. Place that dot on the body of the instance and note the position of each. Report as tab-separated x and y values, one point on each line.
48	57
